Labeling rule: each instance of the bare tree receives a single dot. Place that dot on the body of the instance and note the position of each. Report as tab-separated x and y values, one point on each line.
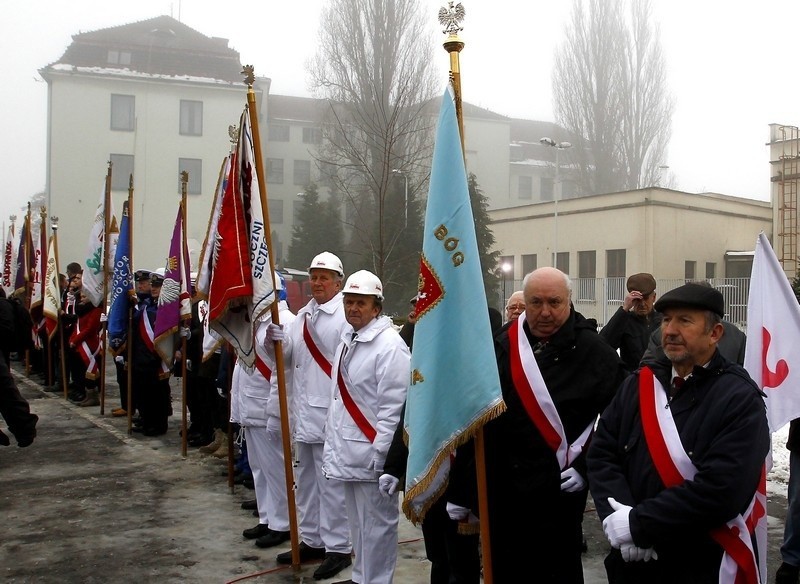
610	92
373	65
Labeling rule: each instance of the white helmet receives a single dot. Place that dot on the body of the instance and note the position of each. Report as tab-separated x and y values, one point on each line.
327	261
364	282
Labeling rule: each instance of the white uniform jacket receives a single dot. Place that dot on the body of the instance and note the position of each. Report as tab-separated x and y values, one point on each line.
377	370
254	399
311	386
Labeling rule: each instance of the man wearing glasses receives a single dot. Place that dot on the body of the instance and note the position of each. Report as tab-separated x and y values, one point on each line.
515	306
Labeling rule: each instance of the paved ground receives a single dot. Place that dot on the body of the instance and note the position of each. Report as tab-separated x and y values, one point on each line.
88	503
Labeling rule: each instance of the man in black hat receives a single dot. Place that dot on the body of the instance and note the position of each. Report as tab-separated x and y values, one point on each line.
118	346
678	455
630	327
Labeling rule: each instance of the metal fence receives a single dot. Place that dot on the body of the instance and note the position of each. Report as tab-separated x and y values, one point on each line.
599	298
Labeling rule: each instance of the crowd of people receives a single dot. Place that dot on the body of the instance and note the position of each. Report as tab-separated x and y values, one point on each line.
653	415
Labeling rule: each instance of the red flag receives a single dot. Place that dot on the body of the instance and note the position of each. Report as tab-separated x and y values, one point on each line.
231	287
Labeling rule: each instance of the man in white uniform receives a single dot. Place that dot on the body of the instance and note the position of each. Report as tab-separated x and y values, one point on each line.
370	381
309	344
255	407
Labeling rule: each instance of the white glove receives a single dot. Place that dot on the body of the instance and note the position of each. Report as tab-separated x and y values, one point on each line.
387	485
456	512
616	526
274	333
185	333
631	553
103	317
119	359
572	481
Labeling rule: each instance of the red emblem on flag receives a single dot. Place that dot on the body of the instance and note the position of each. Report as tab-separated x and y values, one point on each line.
429	289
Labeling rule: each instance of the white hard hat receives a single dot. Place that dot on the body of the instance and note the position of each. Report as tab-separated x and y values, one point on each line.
327	261
364	282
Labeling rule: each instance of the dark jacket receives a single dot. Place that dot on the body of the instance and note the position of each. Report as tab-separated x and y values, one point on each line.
630	333
720	416
14	409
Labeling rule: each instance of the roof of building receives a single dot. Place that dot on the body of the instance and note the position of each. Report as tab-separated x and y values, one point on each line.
157	46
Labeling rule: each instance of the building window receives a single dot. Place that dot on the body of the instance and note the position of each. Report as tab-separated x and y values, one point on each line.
529	263
690	270
278	133
275	211
711	270
302	172
546	188
191	118
526	187
121	171
119	57
562	261
311	136
587	274
327	173
123	112
275	170
615	263
194	166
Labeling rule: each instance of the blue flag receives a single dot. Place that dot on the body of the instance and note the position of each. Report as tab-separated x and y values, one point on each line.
121	285
455	387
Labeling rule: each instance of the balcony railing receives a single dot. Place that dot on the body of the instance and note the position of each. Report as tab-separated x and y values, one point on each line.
599	298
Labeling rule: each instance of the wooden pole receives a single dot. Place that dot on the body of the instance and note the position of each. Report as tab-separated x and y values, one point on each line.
184	438
131	332
454	45
103	336
279	370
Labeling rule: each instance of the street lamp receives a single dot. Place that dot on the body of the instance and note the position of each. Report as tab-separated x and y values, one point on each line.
506	269
405	193
559	146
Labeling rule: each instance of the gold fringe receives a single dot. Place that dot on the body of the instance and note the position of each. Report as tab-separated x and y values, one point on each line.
425	483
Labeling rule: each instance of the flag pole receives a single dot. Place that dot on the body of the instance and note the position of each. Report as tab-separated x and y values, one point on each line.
42	267
28	277
62	352
454	45
103	327
129	336
249	74
184	439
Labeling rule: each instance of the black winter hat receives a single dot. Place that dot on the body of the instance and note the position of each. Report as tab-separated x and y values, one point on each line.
693	296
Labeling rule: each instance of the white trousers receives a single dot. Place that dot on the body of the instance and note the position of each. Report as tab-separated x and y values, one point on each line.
265	455
374	521
321	508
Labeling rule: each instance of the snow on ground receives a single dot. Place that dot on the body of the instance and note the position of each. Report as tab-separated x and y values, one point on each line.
778	477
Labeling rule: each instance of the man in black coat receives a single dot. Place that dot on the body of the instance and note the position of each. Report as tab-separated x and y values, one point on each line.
629	328
13	407
535	467
679	453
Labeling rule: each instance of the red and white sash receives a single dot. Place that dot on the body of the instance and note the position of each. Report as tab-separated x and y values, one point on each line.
313	344
674	467
148	337
362	415
536	399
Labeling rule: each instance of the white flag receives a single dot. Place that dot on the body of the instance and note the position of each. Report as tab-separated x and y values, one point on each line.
94	268
772	354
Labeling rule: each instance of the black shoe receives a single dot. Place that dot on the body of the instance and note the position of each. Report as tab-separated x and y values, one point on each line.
154	431
787	574
307	554
76	396
200	440
257	531
332	565
272	539
250	504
